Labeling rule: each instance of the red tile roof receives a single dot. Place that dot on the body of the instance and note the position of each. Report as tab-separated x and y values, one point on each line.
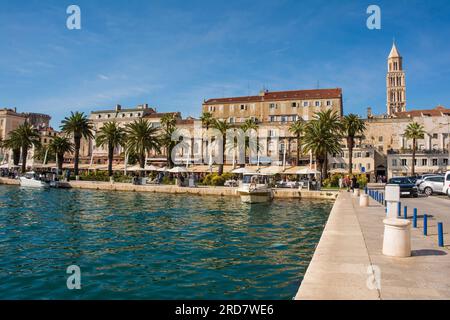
436	112
282	95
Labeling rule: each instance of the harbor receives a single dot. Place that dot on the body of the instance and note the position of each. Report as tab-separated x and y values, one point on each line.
199	191
140	245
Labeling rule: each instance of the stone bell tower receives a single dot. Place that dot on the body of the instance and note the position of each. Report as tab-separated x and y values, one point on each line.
395	83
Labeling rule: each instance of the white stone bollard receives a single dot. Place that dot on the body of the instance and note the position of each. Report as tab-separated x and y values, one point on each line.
356	192
364	200
397	238
392	198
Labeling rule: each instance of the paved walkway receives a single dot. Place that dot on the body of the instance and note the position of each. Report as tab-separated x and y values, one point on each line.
348	263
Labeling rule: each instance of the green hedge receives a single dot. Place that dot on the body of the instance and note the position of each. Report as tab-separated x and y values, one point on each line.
213	179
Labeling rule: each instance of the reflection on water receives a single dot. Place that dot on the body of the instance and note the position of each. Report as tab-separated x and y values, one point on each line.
153	246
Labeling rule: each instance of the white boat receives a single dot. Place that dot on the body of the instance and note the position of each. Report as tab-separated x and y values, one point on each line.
29	180
255	188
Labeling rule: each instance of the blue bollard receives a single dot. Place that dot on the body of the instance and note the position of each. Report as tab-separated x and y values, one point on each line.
399	209
365	190
405	212
425	225
415	218
440	234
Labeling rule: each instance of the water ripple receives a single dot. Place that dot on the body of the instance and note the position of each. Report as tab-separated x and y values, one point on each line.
153	246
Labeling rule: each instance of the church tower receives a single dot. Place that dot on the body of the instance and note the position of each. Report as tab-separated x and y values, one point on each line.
395	83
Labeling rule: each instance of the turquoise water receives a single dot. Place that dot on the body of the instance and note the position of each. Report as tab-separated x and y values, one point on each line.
153	246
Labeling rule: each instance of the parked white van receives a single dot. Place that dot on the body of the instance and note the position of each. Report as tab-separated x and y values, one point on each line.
446	188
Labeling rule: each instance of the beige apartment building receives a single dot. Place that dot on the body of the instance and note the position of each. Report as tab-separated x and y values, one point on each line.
91	154
433	150
274	112
386	135
9	121
275	106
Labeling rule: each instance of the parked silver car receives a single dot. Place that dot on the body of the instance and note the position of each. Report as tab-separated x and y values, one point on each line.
431	184
419	179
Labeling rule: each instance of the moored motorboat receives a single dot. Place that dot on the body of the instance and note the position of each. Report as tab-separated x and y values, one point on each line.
31	181
255	188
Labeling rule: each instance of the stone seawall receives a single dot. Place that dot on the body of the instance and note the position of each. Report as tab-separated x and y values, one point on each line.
213	191
9	181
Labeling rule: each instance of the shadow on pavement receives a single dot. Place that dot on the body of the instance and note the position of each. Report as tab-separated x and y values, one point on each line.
428	252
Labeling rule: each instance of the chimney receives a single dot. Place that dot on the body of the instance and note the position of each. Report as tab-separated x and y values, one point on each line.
118	107
369	112
145	105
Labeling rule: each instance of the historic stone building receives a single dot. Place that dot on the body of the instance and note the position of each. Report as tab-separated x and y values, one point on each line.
274	112
395	83
91	154
10	119
275	106
433	150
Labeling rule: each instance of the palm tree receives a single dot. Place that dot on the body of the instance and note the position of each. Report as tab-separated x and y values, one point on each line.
321	136
78	126
168	123
297	128
222	126
27	137
249	124
59	146
330	120
352	126
207	121
13	143
414	131
142	137
112	136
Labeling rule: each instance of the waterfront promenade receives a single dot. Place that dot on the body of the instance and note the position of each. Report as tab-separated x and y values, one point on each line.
348	263
200	190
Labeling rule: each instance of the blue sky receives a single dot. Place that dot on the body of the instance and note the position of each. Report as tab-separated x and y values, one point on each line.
174	54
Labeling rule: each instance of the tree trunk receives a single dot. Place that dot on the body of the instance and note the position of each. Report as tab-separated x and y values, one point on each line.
24	159
76	155
413	157
110	159
321	167
142	164
16	156
298	149
60	163
350	143
223	156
